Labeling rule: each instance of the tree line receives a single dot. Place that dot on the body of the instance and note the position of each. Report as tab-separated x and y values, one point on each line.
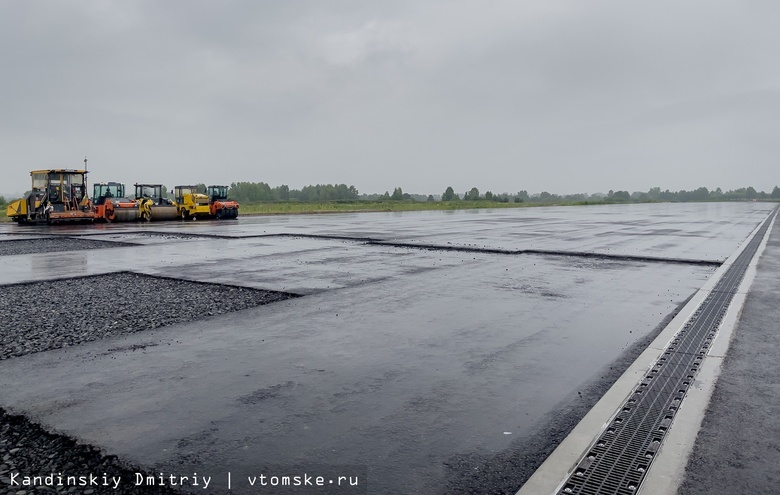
256	192
653	194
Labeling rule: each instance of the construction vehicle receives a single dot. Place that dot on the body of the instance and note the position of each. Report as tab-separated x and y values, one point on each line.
152	205
191	204
219	205
57	196
111	204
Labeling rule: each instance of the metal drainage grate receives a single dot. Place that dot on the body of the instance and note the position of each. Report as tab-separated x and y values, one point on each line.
618	461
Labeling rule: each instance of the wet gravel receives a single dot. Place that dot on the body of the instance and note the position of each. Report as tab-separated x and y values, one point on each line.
61	313
26	449
53	245
68	312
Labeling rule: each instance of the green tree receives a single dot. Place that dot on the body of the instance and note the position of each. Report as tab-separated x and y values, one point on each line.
618	195
429	200
700	194
251	192
776	192
398	194
449	194
489	196
654	193
321	192
750	193
471	195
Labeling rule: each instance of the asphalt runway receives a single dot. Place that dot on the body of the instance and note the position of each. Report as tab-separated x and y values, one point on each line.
424	370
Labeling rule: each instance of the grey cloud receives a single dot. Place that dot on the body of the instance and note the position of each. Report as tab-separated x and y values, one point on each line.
558	96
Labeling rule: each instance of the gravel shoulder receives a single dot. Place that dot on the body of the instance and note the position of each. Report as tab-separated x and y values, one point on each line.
61	313
25	447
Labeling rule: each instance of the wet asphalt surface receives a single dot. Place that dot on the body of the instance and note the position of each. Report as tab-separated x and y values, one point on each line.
431	371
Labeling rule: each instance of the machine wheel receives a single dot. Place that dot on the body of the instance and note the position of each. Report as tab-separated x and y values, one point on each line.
185	215
220	214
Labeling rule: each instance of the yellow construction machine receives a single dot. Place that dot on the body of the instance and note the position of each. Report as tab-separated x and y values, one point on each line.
57	195
191	204
151	203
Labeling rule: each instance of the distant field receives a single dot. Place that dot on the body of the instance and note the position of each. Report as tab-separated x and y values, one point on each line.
347	206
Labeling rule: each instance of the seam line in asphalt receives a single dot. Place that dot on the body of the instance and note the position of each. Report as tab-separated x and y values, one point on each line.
426	247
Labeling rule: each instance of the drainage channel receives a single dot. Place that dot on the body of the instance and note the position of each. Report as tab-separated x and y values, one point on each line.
619	459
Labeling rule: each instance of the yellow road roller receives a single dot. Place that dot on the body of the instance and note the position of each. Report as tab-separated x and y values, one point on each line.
190	203
152	205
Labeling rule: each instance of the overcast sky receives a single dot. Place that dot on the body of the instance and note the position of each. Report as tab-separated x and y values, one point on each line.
563	96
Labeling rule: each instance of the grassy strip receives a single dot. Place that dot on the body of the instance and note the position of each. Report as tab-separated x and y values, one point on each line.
355	206
293	207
